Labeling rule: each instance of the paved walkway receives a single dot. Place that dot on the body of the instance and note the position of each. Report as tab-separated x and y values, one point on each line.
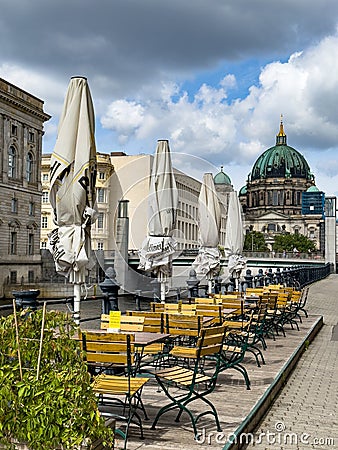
305	414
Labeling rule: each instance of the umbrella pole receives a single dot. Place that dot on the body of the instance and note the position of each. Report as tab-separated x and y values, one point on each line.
77	298
162	280
209	280
209	286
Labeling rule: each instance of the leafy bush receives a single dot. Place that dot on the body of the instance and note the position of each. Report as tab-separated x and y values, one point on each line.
46	399
288	242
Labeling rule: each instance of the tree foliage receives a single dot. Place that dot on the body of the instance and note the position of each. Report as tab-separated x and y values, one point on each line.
289	242
254	241
46	399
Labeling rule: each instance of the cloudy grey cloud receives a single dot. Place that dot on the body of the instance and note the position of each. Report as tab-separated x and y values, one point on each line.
139	56
126	43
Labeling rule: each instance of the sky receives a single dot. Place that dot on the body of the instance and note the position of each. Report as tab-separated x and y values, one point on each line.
211	76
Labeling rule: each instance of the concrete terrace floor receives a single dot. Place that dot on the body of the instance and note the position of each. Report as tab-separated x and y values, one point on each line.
241	410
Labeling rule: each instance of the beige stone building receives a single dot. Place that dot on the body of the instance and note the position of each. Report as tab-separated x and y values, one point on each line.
122	193
102	239
21	129
127	178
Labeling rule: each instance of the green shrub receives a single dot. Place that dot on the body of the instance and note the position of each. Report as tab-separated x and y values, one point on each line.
51	405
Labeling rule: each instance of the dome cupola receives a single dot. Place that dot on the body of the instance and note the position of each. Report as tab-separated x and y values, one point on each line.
281	161
222	178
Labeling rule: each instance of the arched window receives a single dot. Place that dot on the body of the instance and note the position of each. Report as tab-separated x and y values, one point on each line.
29	167
11	162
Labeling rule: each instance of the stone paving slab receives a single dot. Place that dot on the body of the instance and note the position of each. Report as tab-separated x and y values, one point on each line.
233	401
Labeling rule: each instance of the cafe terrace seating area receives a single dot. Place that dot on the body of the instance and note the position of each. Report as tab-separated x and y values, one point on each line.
192	367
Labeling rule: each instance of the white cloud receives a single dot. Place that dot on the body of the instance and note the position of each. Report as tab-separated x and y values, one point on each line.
124	117
139	65
211	126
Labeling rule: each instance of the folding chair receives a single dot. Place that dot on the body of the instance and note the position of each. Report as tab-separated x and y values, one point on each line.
286	315
120	388
212	311
184	329
254	335
233	352
207	301
298	302
127	323
193	383
153	323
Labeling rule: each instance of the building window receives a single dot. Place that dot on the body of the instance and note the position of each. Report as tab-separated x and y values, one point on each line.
275	198
101	195
14	205
13	243
31	244
100	220
14	130
13	277
31	276
101	176
31	209
269	198
45	197
44	244
100	245
31	136
29	167
11	162
45	177
44	222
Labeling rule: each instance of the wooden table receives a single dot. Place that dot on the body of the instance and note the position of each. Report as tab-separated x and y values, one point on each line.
144	338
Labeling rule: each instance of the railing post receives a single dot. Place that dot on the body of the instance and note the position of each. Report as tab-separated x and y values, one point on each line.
110	288
26	298
137	297
192	283
248	278
218	284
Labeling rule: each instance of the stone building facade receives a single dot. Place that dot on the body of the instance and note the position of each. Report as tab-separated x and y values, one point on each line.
21	130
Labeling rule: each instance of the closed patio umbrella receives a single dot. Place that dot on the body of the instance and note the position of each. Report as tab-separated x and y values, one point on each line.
159	246
72	191
209	215
234	238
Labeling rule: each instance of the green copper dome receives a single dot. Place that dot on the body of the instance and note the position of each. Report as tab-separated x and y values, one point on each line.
222	178
281	161
313	189
243	191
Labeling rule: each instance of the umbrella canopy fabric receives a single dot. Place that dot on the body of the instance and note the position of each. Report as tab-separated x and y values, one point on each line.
159	245
234	237
209	214
73	176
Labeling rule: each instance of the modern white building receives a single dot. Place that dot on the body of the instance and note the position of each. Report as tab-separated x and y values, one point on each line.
123	183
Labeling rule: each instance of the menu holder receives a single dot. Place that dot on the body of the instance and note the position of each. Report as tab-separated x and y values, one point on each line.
114	322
